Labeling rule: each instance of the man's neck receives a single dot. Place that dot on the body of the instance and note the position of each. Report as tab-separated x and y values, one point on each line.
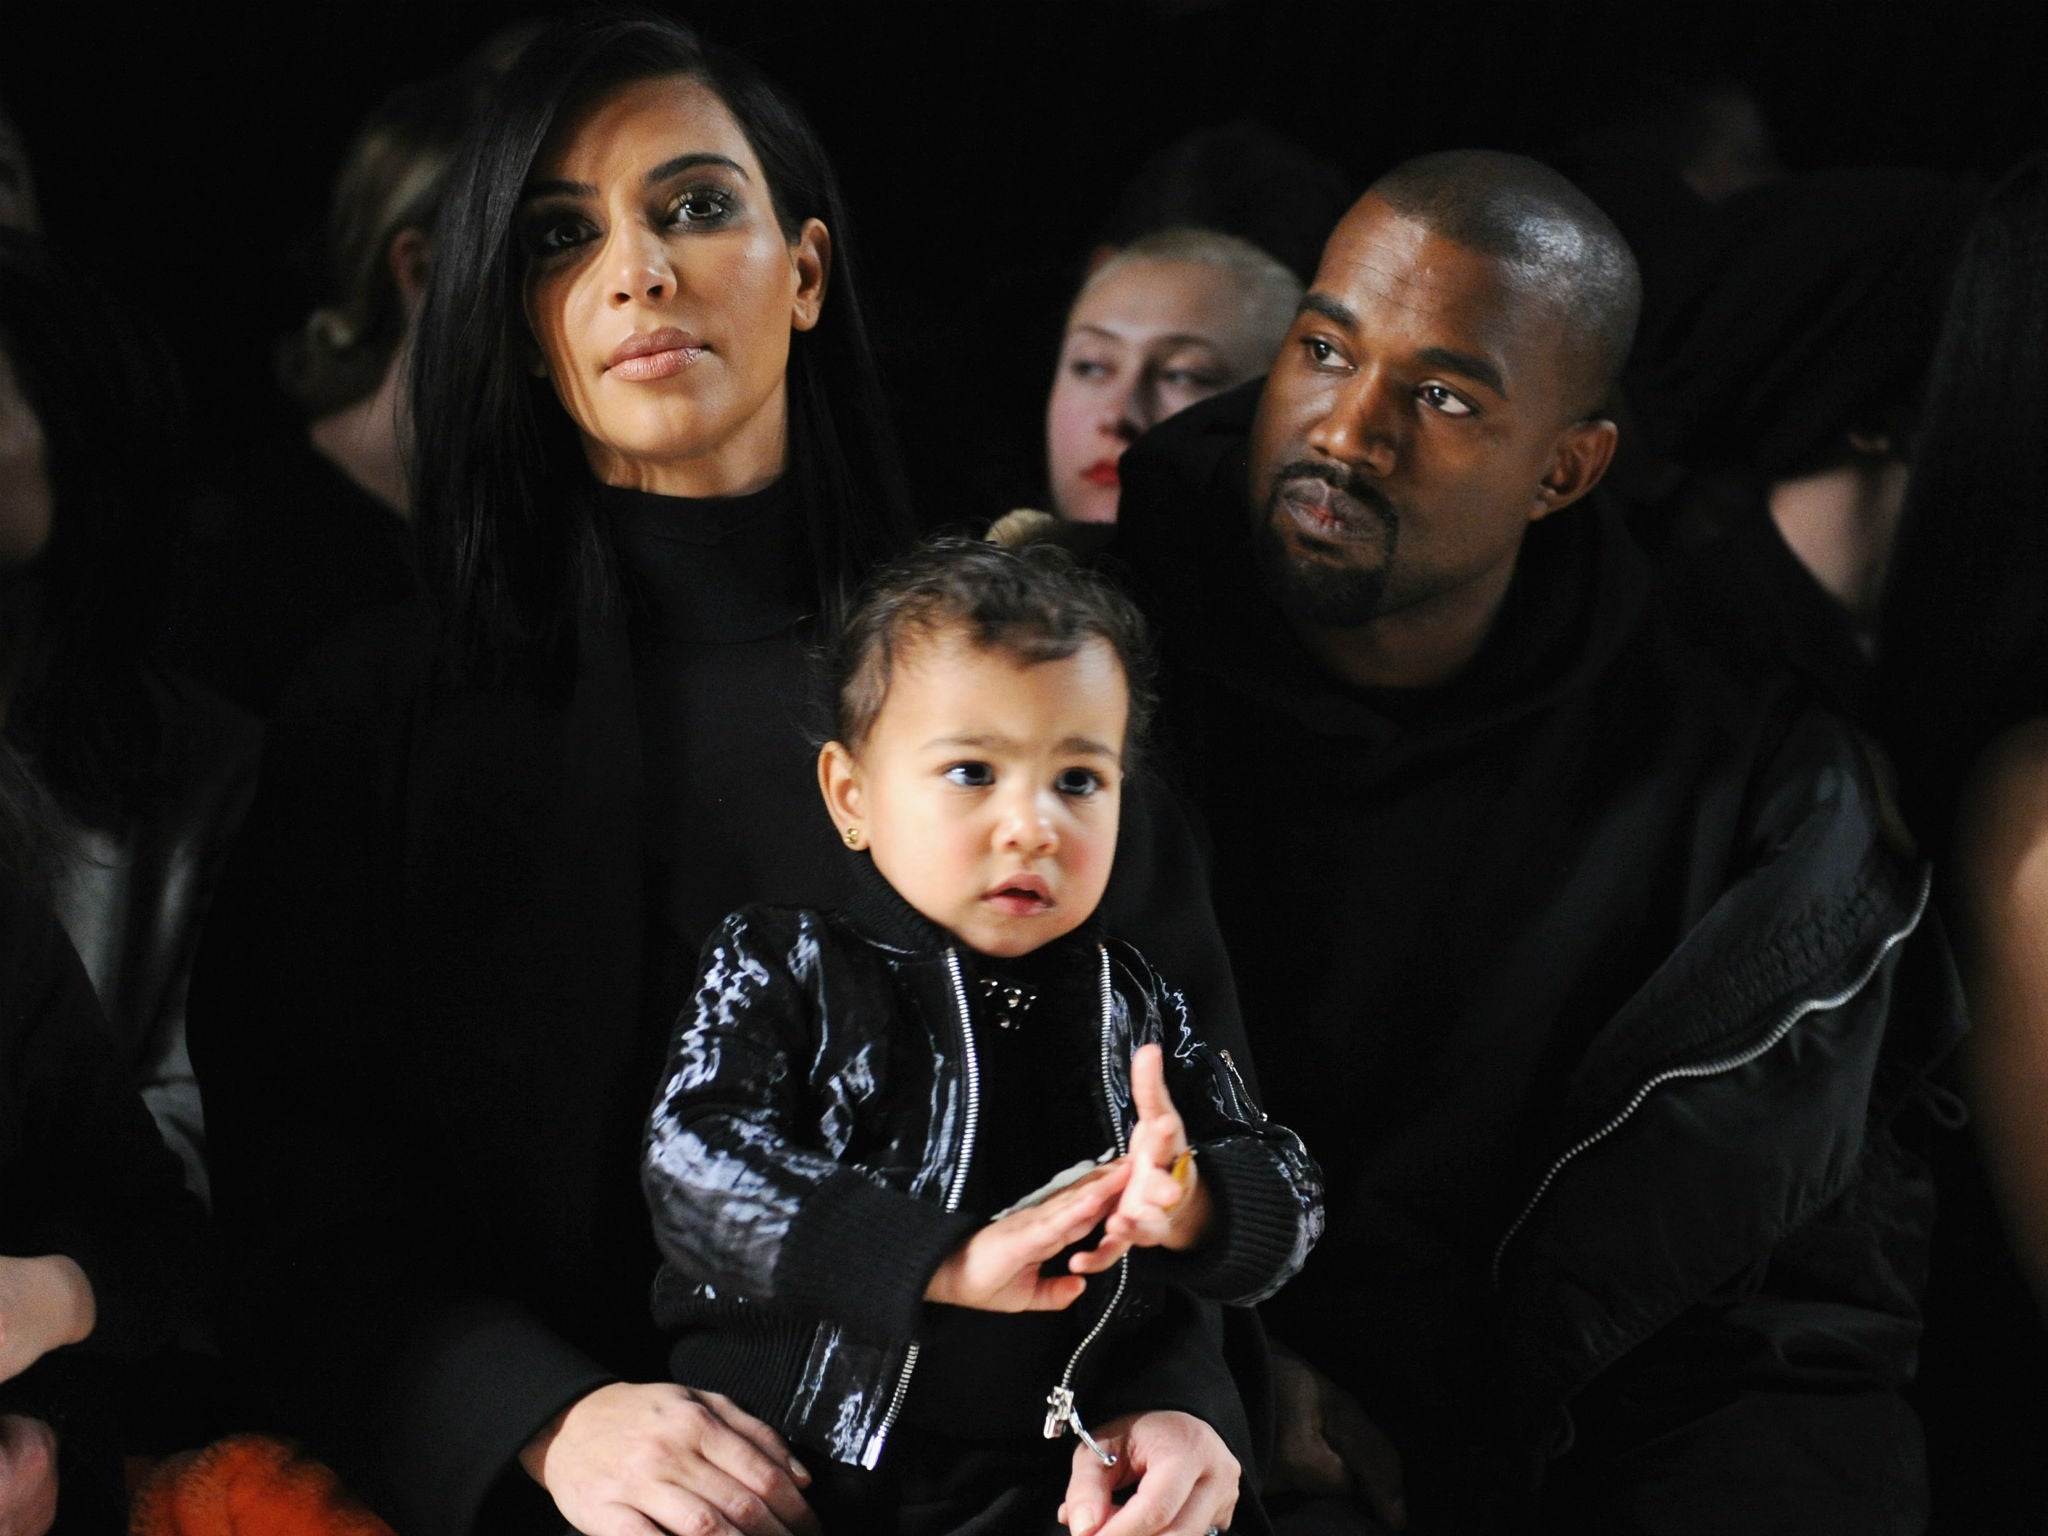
1423	645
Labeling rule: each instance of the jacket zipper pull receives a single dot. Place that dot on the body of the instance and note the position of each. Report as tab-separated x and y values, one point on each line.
1061	1415
1238	1078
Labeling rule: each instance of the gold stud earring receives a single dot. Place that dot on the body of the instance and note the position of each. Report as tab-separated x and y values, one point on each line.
853	838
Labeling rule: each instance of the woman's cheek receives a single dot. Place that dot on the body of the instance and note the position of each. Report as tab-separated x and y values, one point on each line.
1067	428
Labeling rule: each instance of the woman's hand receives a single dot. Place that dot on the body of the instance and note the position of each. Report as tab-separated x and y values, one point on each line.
28	1476
996	1270
1164	1204
639	1460
1186	1479
45	1303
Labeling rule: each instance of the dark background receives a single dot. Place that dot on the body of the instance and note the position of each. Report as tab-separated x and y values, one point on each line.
184	152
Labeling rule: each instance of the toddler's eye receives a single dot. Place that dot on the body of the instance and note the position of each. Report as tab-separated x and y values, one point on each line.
1078	782
971	775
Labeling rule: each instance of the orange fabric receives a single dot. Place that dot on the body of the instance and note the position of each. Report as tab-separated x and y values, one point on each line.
248	1485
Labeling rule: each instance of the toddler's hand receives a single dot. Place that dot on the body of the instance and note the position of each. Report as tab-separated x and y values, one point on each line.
1164	1204
996	1270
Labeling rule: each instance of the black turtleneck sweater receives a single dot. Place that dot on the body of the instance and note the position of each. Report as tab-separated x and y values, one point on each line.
722	601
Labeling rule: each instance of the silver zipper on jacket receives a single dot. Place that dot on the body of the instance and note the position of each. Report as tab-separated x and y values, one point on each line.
1715	1068
969	1120
1237	1077
1060	1412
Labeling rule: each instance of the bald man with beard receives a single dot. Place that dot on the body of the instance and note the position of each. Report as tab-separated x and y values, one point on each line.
1591	975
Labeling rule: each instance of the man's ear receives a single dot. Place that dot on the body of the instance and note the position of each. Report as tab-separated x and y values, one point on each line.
1583	451
811	255
839	783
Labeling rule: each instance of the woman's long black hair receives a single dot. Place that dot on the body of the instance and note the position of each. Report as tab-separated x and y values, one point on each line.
1965	631
80	620
510	544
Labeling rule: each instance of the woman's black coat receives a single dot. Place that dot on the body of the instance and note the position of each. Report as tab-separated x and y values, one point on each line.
428	1020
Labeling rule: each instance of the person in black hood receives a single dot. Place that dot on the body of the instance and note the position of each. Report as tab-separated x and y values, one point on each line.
1784	379
1584	967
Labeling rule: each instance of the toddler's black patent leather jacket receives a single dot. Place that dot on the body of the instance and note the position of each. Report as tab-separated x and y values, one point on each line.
795	1275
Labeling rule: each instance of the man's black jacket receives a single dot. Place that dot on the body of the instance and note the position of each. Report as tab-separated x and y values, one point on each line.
1591	979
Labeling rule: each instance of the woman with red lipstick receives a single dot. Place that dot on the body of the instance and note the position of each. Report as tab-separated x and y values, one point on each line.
493	831
1170	319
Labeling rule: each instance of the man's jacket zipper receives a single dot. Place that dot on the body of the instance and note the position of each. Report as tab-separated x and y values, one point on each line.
969	1120
1717	1067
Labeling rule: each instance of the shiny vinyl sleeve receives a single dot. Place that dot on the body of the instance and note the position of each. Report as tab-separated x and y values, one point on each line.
748	1166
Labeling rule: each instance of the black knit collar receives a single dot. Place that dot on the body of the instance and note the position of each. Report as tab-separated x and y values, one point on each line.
880	913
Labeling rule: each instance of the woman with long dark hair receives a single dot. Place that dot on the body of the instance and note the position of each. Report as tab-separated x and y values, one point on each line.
146	771
512	535
1966	660
119	785
650	461
1963	666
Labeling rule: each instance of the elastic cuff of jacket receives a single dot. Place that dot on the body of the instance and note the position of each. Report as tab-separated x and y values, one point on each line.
1252	1242
757	1364
862	1254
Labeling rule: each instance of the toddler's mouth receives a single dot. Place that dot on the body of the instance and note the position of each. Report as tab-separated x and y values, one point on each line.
1021	893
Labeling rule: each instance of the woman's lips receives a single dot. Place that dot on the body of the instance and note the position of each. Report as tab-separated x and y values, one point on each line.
658	354
1102	472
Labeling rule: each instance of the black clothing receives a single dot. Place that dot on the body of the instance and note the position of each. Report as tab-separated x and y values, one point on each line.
84	1173
133	891
1807	309
1470	930
274	565
943	1486
431	1008
1727	580
807	1157
983	1375
720	598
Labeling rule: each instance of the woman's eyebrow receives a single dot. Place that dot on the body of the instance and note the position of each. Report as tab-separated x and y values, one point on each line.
535	189
690	162
662	172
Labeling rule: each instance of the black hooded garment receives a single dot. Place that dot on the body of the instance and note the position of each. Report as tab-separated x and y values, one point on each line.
1474	927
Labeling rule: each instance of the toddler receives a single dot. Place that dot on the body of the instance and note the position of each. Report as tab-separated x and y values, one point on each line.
946	1175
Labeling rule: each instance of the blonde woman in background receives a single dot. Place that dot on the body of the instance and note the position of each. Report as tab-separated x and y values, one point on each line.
1167	320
